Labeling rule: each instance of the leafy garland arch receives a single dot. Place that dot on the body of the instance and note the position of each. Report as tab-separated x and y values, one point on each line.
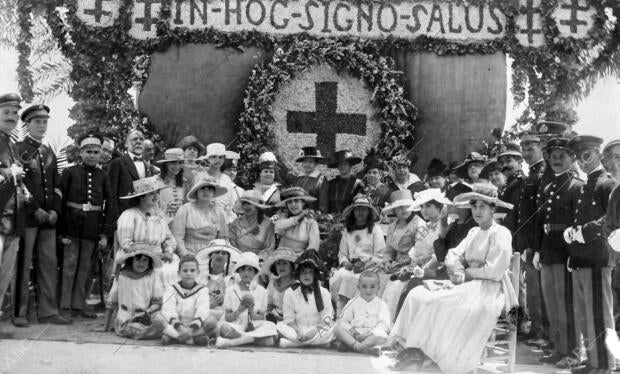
107	62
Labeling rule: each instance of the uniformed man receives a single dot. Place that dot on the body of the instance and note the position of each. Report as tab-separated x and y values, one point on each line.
12	193
88	223
42	180
559	201
531	150
511	162
589	261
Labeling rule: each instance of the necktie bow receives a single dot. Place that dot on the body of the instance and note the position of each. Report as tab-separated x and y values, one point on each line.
137	159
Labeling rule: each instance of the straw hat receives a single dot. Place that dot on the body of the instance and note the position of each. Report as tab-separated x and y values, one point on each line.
172	155
218	245
145	186
361	201
205	181
248	259
251	197
294	193
482	191
399	198
215	149
122	256
281	253
423	197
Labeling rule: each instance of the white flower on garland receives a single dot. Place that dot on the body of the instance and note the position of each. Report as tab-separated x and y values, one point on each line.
321	99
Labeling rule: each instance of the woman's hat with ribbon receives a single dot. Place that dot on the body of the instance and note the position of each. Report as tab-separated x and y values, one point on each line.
399	198
172	155
361	201
342	156
423	197
282	253
218	245
472	158
267	160
252	197
482	192
248	259
145	186
206	181
310	152
312	258
294	193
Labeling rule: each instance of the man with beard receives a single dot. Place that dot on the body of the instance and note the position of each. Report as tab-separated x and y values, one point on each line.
12	194
126	169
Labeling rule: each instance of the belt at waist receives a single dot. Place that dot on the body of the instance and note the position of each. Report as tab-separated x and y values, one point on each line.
125	308
552	227
84	207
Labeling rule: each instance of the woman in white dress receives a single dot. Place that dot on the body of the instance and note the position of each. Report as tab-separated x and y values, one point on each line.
451	325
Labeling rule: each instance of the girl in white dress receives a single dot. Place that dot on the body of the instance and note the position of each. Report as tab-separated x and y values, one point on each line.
451	325
245	304
308	312
280	268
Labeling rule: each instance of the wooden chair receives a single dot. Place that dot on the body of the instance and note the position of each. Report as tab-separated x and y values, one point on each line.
503	339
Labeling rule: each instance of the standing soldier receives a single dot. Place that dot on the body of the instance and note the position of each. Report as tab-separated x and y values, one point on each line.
11	191
560	201
42	180
85	225
589	260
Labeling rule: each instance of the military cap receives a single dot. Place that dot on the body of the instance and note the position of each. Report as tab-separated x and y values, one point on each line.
35	111
10	99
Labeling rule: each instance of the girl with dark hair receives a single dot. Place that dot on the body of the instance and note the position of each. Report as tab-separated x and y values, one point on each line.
267	184
281	269
252	231
171	166
307	311
361	247
297	228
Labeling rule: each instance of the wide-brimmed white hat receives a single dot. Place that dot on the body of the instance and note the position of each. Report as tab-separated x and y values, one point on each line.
399	198
251	197
215	149
205	181
122	256
218	245
482	191
172	155
423	197
145	186
361	201
248	259
294	193
282	253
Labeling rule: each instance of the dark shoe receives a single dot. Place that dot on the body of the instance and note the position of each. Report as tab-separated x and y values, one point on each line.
56	319
21	322
201	340
84	313
550	359
583	369
568	362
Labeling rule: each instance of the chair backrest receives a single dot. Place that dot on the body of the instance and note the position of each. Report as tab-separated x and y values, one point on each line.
515	269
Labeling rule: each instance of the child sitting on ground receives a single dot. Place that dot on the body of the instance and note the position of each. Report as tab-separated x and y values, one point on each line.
137	291
245	303
186	306
365	321
308	312
281	268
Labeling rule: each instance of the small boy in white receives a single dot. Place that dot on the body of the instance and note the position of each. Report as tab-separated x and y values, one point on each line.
186	306
365	321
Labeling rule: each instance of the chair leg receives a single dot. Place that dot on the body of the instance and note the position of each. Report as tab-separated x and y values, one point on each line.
512	351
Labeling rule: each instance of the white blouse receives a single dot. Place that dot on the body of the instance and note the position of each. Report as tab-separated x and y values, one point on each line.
296	309
359	313
186	306
232	300
362	244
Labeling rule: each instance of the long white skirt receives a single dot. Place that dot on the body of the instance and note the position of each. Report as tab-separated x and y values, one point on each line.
451	326
391	295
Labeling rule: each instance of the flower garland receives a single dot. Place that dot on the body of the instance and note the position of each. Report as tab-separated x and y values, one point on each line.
24	75
107	62
397	114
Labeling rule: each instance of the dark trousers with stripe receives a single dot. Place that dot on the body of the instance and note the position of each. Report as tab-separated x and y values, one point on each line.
557	292
535	303
593	304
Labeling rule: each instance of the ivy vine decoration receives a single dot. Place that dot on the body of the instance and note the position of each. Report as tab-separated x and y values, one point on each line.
397	114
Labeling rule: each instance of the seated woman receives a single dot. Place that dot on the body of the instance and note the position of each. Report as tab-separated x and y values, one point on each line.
245	304
192	150
136	295
252	231
451	325
308	313
375	189
214	263
200	221
141	227
186	307
173	197
280	267
361	247
400	239
295	226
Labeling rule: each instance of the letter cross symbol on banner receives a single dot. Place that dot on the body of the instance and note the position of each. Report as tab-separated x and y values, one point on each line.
530	11
324	121
574	22
97	11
